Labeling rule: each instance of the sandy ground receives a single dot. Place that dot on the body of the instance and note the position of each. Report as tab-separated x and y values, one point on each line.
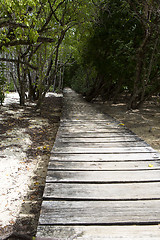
145	122
26	138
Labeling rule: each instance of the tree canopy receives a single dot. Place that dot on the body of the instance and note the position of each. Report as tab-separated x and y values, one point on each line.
121	53
32	33
100	48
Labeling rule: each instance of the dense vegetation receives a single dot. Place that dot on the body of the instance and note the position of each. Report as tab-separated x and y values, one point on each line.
99	48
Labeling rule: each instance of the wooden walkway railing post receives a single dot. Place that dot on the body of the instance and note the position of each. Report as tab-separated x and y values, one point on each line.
103	182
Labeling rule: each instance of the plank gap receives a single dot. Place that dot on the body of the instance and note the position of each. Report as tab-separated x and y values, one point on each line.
102	182
96	161
67	136
104	224
48	199
106	153
100	170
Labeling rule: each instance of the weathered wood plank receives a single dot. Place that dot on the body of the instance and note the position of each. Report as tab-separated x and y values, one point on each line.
94	134
92	126
129	191
103	176
88	117
89	125
99	122
105	157
100	212
100	232
98	140
93	120
92	130
60	144
78	150
132	165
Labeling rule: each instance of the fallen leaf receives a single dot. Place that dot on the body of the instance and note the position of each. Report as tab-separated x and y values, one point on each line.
150	165
11	222
36	183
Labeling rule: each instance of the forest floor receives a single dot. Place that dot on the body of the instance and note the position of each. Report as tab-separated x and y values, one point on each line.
26	139
145	121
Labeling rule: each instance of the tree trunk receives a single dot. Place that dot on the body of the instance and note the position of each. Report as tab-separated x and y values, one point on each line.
139	73
52	77
96	89
21	86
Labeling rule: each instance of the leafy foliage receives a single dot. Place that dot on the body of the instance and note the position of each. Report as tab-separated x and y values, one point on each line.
100	48
123	49
34	31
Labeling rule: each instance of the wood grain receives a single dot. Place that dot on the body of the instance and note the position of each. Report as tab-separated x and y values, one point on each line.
106	150
130	156
94	134
76	191
100	232
100	212
103	176
131	165
60	145
97	140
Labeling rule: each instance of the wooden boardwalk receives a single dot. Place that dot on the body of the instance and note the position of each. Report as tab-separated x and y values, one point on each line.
103	182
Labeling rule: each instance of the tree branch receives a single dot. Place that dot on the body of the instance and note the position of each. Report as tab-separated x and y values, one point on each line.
34	51
26	42
54	11
18	61
12	24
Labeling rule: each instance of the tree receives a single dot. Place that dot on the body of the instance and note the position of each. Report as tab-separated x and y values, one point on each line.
123	50
108	48
28	25
146	80
2	83
23	25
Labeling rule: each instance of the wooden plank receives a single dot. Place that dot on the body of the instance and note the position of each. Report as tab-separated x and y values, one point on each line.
100	212
85	118
94	134
105	157
132	165
99	122
103	176
91	126
63	145
93	121
98	140
81	191
90	134
77	116
91	130
78	150
100	232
